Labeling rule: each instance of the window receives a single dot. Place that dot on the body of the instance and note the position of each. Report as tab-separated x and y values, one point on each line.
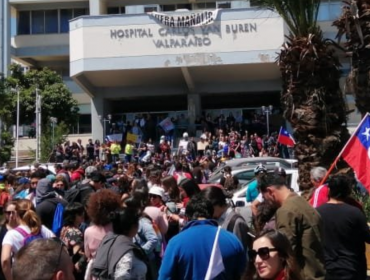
202	6
24	23
116	10
37	20
150	9
47	21
65	16
174	7
224	5
51	21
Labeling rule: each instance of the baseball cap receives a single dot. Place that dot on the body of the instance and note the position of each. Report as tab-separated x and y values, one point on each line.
185	135
260	168
156	190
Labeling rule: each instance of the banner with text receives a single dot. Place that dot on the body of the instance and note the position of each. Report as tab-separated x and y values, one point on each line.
186	20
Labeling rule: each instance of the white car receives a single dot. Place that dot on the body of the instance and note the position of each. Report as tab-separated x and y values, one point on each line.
239	198
46	166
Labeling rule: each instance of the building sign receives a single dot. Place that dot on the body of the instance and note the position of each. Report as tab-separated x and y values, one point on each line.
188	20
195	38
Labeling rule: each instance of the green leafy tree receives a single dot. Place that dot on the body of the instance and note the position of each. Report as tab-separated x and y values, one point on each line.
50	139
7	142
56	99
311	96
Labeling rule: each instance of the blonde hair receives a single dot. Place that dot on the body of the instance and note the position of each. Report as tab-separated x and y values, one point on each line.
26	212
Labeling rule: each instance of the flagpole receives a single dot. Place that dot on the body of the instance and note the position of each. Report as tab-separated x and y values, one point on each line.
344	148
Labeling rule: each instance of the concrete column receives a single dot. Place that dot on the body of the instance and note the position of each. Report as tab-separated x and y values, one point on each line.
135	9
97	109
4	37
98	7
194	110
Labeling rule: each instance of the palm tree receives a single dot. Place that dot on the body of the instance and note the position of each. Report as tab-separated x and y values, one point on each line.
354	23
311	97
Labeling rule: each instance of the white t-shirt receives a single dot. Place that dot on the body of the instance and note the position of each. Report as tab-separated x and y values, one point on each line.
15	238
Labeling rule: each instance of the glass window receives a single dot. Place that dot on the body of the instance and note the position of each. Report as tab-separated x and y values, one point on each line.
113	10
210	5
150	9
65	16
184	6
168	8
37	18
24	23
224	5
79	12
51	21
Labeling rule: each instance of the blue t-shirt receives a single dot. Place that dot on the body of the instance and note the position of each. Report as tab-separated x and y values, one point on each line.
252	191
188	253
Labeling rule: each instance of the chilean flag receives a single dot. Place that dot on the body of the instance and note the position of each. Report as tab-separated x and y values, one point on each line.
285	138
357	152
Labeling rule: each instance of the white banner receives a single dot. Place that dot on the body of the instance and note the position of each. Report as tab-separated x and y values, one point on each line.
200	18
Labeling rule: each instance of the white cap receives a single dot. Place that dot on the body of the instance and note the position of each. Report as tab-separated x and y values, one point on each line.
157	191
185	135
203	136
163	137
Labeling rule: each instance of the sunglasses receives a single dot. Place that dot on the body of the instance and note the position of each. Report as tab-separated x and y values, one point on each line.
34	183
263	253
154	196
60	185
9	212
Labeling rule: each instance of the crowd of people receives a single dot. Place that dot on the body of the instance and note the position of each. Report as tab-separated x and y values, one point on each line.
129	218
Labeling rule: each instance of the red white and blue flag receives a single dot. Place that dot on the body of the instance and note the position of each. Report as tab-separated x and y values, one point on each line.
285	138
357	152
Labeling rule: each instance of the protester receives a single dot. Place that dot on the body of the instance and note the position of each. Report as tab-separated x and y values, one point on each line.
30	227
188	254
345	233
118	257
72	237
228	181
320	194
99	206
225	215
252	190
47	202
9	222
300	223
272	258
43	259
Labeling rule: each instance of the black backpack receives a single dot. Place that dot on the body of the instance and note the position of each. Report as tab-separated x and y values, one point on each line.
112	248
73	194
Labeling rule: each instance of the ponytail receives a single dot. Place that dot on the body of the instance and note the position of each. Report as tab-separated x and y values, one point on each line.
33	221
26	212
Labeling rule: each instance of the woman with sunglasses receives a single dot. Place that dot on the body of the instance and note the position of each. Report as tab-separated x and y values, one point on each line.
9	222
272	258
14	240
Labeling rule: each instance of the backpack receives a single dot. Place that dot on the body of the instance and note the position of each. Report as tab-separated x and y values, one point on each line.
28	237
112	248
73	194
58	219
229	182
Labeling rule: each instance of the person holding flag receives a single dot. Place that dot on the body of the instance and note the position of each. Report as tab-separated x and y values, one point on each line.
203	250
285	138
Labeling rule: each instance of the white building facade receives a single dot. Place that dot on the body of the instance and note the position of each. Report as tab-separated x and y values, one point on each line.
123	57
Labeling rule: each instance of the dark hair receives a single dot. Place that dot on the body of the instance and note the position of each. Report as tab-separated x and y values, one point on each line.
169	183
265	212
101	204
178	166
123	220
139	185
215	195
269	180
199	207
39	260
339	186
227	169
138	200
284	249
190	187
71	211
39	173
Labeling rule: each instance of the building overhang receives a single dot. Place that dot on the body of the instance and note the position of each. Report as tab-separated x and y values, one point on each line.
137	54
